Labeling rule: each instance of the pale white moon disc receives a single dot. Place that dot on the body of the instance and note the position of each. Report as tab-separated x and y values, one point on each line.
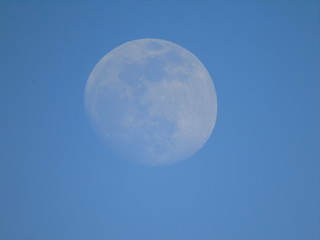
152	101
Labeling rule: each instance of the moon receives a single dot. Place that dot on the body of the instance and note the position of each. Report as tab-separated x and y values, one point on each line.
151	101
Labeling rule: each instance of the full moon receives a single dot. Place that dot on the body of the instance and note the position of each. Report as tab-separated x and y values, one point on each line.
151	101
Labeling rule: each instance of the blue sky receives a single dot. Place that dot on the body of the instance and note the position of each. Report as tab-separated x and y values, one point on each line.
258	176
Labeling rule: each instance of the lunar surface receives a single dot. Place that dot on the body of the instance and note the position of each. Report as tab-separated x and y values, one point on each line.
152	101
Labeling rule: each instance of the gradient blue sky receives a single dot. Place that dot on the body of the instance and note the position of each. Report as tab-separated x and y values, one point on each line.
258	176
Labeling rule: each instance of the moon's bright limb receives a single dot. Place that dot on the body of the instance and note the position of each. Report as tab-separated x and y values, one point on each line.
152	100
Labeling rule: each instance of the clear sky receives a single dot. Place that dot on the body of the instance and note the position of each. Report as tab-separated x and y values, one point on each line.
258	176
